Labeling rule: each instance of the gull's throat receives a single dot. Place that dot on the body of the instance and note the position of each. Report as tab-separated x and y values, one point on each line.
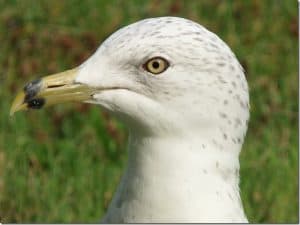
163	174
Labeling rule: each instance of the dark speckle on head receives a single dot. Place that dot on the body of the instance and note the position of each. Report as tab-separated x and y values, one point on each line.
233	140
233	84
223	115
36	103
32	89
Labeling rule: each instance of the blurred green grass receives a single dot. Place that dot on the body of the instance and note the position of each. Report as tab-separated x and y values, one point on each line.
58	165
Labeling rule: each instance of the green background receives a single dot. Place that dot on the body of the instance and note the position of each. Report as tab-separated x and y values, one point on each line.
62	164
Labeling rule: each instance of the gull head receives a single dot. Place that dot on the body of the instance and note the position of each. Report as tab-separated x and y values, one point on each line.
160	76
184	97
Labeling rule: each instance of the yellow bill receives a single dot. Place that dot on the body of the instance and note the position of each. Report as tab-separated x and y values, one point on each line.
50	90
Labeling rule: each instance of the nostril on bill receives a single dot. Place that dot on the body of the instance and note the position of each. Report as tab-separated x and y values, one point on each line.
56	85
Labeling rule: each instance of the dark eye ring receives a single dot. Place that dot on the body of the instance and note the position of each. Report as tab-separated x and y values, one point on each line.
156	65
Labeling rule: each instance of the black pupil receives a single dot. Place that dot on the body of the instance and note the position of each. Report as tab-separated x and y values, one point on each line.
155	65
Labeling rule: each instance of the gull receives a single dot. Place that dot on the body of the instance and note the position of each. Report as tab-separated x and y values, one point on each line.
184	97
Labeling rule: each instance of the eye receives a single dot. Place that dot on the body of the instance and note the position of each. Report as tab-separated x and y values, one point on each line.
156	65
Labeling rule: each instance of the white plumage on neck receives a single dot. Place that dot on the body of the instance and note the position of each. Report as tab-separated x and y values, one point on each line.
177	179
